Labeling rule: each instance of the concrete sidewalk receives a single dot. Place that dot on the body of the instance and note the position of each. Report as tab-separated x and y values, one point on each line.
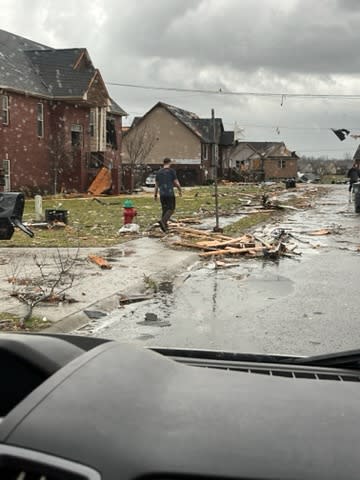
93	288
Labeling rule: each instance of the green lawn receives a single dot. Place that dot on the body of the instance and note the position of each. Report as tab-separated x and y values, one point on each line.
91	223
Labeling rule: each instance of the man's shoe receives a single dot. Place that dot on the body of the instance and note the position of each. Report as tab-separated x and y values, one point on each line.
162	226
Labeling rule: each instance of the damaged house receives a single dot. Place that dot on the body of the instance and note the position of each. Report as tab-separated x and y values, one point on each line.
259	161
169	131
59	127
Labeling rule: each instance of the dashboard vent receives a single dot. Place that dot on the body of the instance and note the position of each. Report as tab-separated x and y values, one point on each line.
21	464
278	371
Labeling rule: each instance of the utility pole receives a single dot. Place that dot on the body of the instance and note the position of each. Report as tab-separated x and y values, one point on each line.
215	167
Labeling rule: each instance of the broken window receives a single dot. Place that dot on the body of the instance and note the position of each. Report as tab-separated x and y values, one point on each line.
111	133
95	160
76	135
5	110
40	120
92	123
282	163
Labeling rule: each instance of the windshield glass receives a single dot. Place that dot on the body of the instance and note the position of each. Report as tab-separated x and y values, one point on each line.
181	174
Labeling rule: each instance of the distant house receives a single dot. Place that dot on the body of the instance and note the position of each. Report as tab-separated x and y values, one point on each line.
257	161
184	137
58	124
356	158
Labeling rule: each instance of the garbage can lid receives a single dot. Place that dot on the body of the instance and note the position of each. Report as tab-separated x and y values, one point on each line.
128	204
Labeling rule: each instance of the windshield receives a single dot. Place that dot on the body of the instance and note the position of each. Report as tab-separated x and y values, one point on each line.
188	170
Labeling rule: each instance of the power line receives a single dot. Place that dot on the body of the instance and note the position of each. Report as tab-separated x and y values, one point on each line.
283	96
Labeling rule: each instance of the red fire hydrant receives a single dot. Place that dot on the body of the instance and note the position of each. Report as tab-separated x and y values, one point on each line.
129	212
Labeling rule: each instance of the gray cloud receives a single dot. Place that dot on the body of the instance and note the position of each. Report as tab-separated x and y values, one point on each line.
267	45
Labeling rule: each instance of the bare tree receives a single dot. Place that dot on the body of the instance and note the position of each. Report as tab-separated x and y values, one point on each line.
139	142
60	156
54	278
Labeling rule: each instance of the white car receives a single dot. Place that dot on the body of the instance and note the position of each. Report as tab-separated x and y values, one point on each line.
150	180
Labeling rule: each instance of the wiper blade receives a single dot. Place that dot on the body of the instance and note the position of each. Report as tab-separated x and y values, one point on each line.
348	359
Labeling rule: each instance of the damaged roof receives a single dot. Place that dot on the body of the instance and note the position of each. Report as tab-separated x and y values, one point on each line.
16	68
34	68
57	70
268	149
201	127
115	108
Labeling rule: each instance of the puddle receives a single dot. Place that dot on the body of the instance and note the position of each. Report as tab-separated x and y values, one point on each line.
258	304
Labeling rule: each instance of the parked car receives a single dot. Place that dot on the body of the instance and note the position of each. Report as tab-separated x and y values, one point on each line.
150	180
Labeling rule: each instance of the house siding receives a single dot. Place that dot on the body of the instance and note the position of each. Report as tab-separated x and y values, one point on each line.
173	139
32	158
272	170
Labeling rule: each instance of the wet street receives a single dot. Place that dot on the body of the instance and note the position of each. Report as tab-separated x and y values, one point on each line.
304	305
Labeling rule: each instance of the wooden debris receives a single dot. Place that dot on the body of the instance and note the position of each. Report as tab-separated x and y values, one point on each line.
99	261
232	251
322	231
214	244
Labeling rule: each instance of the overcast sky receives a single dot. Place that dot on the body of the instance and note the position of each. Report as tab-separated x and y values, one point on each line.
280	46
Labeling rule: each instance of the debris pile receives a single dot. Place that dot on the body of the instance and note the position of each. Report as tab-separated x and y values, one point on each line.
215	244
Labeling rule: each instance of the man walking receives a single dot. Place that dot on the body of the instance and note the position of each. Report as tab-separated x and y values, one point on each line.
165	182
353	175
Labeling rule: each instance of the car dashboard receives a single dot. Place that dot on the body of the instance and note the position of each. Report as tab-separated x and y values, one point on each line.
76	408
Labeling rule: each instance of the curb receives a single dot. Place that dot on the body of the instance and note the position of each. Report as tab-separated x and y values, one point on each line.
79	319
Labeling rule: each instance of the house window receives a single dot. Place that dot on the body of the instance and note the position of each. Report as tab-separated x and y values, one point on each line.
111	133
92	123
6	174
40	120
76	135
204	151
282	163
5	110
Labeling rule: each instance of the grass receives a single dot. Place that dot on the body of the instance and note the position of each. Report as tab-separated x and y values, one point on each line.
12	322
95	224
246	223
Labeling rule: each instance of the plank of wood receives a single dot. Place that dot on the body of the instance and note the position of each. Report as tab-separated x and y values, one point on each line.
266	244
101	182
205	233
216	243
99	261
182	243
231	251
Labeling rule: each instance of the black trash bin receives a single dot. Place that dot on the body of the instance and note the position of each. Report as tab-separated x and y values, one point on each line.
53	215
11	212
356	192
290	183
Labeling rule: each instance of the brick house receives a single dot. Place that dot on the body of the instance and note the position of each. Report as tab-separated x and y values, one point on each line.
257	161
58	124
181	135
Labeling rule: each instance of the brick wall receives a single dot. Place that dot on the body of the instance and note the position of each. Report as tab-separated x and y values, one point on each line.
33	159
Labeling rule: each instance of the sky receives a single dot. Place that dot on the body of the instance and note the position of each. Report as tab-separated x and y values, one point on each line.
240	46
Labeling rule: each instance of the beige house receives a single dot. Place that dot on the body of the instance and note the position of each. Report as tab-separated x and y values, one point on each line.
169	131
256	161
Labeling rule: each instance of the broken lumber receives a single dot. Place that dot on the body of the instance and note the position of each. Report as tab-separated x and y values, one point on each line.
99	261
232	251
216	243
204	233
182	243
